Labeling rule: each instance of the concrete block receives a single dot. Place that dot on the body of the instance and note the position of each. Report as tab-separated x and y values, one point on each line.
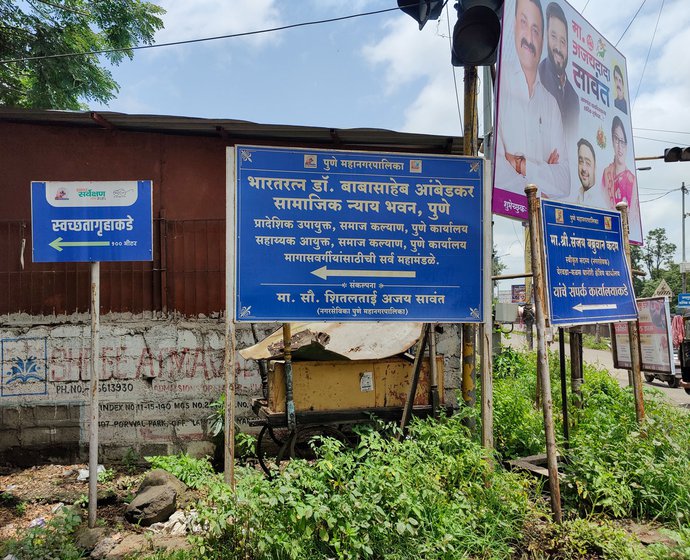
9	438
11	417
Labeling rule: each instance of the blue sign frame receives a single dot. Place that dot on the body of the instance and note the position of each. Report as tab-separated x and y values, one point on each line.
587	274
92	221
327	235
683	300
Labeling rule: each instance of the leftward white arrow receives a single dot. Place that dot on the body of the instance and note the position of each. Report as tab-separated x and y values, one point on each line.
582	307
324	273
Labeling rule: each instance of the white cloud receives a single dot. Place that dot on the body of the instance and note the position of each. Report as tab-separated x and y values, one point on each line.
208	18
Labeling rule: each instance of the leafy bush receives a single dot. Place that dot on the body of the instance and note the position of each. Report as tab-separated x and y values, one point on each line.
190	470
518	421
431	495
52	541
626	469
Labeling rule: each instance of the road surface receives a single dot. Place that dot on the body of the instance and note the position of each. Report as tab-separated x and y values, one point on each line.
604	358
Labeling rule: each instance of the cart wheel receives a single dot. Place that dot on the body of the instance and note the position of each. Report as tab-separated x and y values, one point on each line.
673	382
648	377
298	444
260	451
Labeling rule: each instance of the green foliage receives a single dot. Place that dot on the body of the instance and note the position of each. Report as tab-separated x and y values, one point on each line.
245	444
36	29
625	469
106	476
431	495
657	252
518	422
54	540
190	470
589	538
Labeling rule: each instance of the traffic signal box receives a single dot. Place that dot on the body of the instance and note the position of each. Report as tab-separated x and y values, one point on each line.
477	32
676	154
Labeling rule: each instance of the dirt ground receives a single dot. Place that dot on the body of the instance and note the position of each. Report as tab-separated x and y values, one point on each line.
32	496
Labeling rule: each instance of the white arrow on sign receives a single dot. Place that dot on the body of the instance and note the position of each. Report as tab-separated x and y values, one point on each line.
581	307
324	273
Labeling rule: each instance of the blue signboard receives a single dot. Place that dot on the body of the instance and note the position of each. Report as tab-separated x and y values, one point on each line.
683	300
326	235
89	221
587	276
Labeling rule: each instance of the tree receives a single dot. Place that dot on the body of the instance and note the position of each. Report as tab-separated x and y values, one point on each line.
657	252
497	267
36	28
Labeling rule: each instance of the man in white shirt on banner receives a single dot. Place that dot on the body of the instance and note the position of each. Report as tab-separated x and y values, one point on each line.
530	146
588	194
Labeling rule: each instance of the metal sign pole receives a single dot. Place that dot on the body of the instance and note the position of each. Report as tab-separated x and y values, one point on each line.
93	427
229	358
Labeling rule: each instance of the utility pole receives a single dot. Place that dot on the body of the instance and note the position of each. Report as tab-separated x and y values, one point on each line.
683	190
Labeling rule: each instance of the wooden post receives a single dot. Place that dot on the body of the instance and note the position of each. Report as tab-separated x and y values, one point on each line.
416	369
93	366
576	375
542	358
633	333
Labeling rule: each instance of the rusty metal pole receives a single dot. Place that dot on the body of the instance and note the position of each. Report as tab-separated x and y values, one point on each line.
633	333
93	426
289	399
469	137
542	358
434	400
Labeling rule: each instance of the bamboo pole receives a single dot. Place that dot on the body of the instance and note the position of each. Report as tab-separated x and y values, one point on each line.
542	357
633	332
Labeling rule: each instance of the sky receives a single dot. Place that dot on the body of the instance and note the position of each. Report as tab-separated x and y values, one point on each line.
380	71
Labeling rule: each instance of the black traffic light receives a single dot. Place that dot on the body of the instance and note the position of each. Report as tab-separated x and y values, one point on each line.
676	154
477	32
422	10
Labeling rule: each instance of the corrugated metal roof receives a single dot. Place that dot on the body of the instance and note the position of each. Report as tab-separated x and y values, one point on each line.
338	341
240	131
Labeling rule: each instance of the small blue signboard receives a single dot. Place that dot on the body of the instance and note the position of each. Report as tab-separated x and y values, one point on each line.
327	235
683	300
89	221
587	275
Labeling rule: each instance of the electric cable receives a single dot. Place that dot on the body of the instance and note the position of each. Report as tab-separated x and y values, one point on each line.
646	60
200	40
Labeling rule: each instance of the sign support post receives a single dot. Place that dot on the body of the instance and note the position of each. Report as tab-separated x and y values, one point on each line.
542	358
93	427
633	333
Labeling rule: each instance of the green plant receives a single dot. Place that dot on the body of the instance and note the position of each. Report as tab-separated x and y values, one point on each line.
431	495
626	469
131	461
52	541
106	476
190	470
245	444
82	501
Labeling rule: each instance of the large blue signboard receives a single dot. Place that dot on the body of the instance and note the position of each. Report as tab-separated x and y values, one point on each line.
326	235
683	300
587	275
89	221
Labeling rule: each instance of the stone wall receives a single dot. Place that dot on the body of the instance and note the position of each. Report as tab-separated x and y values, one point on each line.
157	378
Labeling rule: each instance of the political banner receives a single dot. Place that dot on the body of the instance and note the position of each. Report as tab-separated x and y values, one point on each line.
656	348
563	114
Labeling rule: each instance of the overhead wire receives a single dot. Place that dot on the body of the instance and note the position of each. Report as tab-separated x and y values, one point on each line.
662	140
200	40
631	22
659	197
649	50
